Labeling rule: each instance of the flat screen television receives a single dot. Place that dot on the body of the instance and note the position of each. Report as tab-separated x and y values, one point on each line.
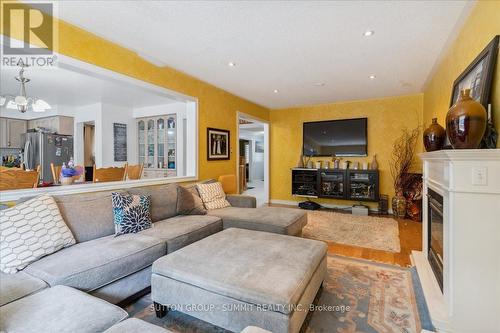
344	137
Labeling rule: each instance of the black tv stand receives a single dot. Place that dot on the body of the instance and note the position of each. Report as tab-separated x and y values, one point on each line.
344	184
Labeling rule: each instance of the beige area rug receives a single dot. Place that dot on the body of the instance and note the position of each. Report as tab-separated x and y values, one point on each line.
378	233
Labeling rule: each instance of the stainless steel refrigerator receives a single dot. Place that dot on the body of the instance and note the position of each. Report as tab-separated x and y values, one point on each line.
45	148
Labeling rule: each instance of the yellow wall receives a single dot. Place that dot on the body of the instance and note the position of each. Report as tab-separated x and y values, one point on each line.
478	30
386	118
217	108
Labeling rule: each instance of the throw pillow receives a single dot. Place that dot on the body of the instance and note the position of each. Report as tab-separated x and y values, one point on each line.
30	231
213	195
131	213
189	201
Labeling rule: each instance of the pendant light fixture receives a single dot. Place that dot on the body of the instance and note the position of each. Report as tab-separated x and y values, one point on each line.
22	102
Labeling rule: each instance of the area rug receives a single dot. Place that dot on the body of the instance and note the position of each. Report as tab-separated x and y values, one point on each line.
379	233
358	296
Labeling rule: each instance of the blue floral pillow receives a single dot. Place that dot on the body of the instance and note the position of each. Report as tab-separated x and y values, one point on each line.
131	213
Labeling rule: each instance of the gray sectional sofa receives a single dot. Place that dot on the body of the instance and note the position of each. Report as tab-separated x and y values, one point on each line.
116	268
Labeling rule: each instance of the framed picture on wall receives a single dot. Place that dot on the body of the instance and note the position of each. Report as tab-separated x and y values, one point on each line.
478	76
218	144
120	142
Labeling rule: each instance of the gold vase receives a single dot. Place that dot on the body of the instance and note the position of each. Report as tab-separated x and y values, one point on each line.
399	206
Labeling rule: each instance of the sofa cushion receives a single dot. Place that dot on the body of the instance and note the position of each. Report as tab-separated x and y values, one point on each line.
29	231
249	266
88	215
60	309
131	213
134	325
93	264
287	221
189	201
180	231
163	200
213	195
15	286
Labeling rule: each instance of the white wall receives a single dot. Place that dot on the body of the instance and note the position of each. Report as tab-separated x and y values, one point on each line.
159	110
117	114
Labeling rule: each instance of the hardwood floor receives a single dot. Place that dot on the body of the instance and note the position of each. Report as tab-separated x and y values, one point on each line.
410	238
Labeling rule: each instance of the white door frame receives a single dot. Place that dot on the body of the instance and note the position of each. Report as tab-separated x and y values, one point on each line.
266	150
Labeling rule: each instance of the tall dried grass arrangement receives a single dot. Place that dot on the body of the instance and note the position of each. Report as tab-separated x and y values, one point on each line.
402	157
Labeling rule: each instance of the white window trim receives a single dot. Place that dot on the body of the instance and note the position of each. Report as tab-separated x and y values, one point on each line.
105	74
89	187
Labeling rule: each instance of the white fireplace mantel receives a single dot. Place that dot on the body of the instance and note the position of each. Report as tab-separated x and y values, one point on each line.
469	181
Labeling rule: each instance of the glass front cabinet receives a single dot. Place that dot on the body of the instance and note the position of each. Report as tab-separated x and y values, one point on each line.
157	145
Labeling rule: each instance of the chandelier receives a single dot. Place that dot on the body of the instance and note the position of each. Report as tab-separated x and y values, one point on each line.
22	102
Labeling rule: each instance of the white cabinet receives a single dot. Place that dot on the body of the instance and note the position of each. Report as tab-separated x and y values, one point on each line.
157	145
3	133
10	132
60	124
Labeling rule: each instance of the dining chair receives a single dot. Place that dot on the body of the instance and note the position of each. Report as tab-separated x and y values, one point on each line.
134	171
111	174
18	179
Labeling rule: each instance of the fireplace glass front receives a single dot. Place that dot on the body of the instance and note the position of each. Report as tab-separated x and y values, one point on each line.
435	231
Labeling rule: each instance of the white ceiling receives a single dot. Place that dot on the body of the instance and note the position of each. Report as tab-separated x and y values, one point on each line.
288	46
62	87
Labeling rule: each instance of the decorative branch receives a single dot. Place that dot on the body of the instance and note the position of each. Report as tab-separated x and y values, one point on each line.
403	152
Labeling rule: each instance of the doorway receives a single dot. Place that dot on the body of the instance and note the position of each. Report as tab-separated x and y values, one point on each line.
89	150
253	158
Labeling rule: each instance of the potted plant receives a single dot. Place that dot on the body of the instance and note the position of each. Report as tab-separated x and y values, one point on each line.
402	157
69	172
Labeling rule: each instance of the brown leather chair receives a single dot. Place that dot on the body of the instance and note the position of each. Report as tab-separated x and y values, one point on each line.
18	179
135	171
112	174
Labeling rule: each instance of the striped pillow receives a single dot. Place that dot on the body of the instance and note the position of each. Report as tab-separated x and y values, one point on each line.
213	195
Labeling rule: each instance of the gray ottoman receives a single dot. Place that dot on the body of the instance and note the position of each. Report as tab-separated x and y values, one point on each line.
286	221
238	278
134	325
59	309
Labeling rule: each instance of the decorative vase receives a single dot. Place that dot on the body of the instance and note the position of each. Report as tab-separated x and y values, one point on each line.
301	162
336	164
399	206
466	122
434	136
67	180
374	164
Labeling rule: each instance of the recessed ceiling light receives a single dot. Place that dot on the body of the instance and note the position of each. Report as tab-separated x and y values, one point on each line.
319	84
276	91
372	77
231	64
369	33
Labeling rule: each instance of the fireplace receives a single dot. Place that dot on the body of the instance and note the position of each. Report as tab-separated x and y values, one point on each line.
435	234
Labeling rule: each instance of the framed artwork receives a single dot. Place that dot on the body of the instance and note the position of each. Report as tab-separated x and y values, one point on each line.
120	142
218	147
478	76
